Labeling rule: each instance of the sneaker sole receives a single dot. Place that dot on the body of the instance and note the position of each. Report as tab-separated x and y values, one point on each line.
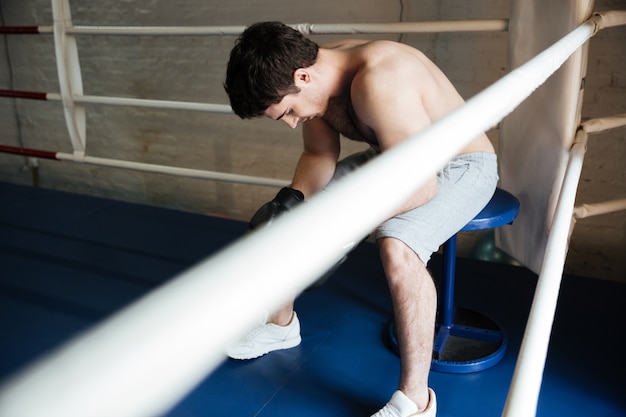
287	344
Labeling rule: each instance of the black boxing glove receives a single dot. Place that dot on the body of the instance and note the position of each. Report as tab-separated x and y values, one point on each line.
285	200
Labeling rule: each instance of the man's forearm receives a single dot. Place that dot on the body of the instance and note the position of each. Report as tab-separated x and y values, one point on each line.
313	173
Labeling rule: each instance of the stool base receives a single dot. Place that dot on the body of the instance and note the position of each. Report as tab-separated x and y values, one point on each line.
471	343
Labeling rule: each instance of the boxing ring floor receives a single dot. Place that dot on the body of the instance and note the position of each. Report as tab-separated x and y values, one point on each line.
69	261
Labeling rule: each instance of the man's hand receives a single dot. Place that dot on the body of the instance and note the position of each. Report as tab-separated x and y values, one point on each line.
285	200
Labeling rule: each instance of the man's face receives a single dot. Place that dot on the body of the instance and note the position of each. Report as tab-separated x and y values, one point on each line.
292	109
301	106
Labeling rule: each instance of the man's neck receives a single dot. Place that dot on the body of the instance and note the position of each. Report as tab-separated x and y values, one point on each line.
335	70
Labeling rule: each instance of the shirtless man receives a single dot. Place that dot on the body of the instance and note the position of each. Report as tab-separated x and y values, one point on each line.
380	93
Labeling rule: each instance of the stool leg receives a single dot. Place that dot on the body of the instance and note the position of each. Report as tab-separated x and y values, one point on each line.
471	330
449	267
472	334
446	309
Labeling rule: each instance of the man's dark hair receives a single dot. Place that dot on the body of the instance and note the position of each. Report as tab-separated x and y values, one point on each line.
261	66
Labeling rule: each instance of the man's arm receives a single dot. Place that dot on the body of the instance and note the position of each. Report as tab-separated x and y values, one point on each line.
317	163
314	170
391	104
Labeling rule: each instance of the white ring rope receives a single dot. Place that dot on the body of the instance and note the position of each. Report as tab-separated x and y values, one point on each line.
147	103
160	347
170	170
305	28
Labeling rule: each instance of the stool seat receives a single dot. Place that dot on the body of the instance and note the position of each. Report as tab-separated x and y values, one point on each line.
467	341
502	209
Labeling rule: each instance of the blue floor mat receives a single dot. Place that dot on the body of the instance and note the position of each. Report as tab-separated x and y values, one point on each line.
68	261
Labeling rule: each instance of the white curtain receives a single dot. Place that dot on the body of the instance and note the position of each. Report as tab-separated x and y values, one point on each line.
535	139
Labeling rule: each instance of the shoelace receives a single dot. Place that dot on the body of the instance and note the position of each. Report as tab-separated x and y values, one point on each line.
259	329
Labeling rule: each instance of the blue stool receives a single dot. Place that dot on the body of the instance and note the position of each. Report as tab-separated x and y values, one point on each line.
477	343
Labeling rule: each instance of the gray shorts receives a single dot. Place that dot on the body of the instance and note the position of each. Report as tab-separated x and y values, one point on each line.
465	186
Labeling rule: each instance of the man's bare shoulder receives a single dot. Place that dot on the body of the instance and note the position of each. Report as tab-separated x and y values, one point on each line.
378	45
344	44
393	63
382	57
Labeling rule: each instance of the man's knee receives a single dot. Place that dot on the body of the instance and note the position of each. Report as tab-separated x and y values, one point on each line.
398	258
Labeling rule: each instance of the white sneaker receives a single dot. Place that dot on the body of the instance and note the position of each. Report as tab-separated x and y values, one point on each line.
401	406
266	338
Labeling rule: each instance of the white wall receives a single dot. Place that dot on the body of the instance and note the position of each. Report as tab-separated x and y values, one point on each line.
192	68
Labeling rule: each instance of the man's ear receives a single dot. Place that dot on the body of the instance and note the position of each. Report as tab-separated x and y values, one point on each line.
301	76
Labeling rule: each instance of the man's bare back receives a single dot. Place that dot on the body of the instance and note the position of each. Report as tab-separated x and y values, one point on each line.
398	67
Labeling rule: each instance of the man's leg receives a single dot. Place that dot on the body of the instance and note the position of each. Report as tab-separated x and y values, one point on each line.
283	316
414	300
